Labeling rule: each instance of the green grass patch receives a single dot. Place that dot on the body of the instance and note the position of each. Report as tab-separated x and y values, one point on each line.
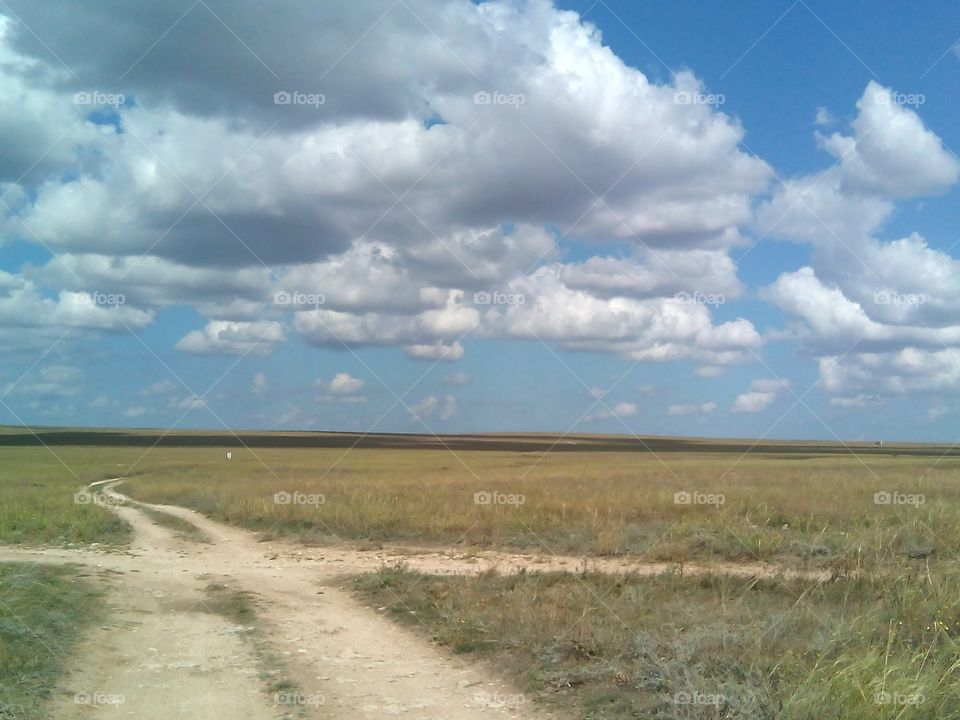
239	607
43	613
39	501
705	647
183	529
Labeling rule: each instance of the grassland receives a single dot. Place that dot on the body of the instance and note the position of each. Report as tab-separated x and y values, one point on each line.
705	647
43	612
804	509
878	639
38	496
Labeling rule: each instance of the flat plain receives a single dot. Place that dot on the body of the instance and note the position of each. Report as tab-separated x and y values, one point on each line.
599	576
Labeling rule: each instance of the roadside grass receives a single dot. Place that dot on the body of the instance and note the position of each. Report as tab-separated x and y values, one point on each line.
239	607
802	509
38	503
181	528
670	647
43	612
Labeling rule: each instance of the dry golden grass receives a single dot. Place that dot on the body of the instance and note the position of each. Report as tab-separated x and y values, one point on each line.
799	508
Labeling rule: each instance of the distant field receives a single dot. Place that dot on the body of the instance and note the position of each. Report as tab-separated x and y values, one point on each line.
804	507
811	509
514	442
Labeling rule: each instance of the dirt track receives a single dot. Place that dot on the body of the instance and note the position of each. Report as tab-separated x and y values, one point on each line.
168	656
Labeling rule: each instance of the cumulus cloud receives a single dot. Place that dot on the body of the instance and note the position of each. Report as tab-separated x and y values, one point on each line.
222	337
761	395
869	309
206	191
620	410
344	384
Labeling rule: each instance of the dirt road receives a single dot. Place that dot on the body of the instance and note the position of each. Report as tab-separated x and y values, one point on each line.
165	654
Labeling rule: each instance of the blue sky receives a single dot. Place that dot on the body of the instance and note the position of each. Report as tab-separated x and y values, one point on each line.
788	166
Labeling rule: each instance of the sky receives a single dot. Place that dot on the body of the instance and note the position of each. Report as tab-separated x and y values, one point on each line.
661	218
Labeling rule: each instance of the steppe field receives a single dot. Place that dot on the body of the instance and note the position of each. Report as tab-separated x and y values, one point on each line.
529	576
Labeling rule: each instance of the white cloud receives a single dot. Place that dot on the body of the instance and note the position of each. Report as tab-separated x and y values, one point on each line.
692	408
620	410
451	408
761	395
222	337
344	384
436	351
259	384
161	387
425	408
